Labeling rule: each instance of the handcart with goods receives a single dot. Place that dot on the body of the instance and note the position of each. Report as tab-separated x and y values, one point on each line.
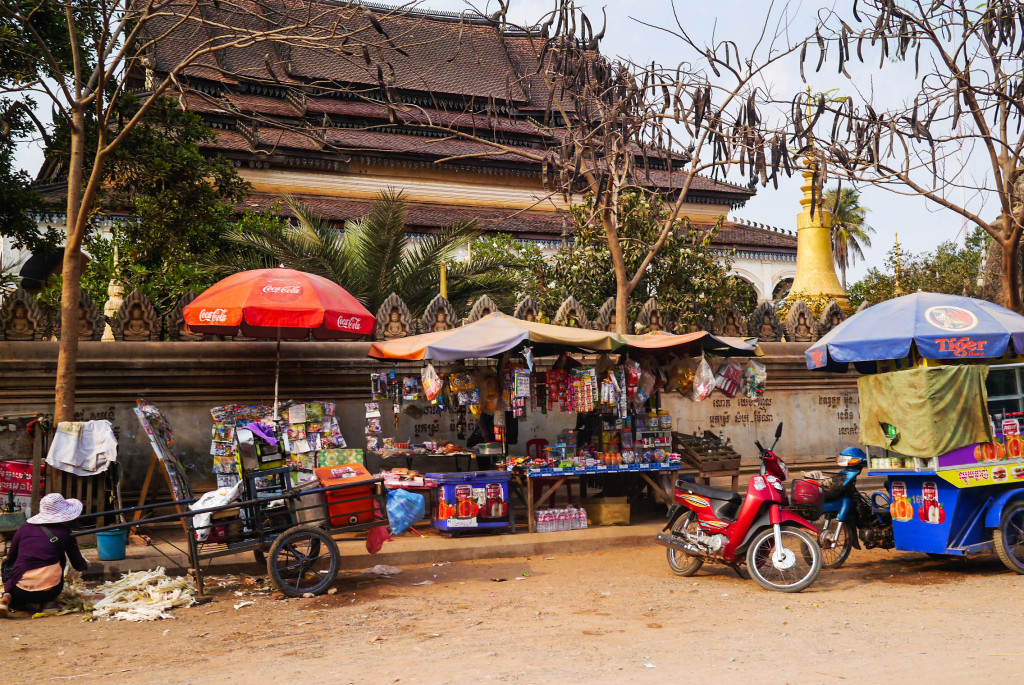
289	527
952	456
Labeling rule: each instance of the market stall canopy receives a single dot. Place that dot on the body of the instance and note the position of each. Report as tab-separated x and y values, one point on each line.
278	304
691	344
940	326
492	335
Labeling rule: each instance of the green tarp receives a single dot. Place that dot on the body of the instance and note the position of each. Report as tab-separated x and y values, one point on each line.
925	412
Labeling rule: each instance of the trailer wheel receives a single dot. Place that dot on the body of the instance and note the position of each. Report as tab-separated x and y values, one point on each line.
1008	538
303	560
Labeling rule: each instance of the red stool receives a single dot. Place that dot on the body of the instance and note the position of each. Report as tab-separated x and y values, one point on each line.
535	450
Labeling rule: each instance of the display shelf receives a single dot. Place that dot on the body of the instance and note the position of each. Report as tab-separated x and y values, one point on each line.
547	472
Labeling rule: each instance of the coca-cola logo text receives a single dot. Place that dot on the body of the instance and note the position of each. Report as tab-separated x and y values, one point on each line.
293	289
349	323
213	315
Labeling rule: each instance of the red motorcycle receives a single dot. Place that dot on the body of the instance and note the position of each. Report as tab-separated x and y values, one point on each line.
719	526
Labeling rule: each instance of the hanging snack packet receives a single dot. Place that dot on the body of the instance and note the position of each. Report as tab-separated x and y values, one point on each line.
703	382
431	382
754	380
728	379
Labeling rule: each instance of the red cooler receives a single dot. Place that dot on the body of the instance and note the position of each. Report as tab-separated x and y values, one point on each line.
352	505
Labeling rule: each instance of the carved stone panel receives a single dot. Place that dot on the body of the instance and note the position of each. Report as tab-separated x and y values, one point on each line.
830	318
439	316
606	316
174	323
764	324
527	309
137	320
571	313
800	325
90	320
729	322
20	317
393	319
651	319
481	308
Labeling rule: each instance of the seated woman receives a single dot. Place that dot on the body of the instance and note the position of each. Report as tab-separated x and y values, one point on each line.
40	549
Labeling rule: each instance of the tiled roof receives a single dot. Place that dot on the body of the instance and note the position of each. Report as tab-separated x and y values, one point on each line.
741	236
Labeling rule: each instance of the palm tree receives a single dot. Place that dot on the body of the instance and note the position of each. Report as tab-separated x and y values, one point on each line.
371	257
850	232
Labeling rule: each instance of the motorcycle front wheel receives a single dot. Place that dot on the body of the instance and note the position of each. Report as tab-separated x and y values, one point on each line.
681	563
798	567
834	552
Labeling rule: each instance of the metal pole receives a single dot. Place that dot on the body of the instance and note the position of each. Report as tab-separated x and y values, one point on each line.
277	370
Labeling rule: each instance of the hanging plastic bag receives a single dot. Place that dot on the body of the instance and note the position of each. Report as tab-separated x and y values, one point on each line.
404	509
728	378
431	382
703	382
754	380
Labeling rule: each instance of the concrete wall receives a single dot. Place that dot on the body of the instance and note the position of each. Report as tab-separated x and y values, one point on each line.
186	379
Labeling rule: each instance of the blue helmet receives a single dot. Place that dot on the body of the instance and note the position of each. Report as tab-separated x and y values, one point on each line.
851	456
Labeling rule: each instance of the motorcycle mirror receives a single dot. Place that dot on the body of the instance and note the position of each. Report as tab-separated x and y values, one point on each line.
778	431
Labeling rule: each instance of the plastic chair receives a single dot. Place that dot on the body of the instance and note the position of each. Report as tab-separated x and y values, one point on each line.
535	450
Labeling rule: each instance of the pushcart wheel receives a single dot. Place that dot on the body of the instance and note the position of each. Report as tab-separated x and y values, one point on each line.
303	560
1008	538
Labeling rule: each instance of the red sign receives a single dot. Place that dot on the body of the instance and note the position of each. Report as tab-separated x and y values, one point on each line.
1011	427
16	476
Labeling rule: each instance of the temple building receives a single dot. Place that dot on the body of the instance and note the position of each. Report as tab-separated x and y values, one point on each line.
334	149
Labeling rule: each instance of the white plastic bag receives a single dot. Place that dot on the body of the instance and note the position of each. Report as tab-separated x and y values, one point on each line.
431	382
215	498
754	379
703	382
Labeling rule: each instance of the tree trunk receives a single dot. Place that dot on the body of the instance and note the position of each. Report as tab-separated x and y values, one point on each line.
67	356
621	305
1011	277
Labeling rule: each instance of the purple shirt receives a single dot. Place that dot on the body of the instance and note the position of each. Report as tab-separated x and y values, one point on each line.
31	548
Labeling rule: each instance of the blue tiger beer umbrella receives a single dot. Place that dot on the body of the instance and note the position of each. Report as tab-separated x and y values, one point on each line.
947	327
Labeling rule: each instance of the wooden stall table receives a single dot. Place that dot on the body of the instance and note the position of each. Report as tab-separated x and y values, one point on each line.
410	455
709	456
522	477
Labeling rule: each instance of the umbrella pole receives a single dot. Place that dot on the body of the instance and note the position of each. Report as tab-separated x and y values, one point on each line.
277	372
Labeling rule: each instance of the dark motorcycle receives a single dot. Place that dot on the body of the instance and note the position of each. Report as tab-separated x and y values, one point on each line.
850	517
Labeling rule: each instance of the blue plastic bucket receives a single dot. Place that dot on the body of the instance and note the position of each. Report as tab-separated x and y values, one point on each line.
110	544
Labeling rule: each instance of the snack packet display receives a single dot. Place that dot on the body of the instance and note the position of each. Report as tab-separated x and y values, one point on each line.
755	378
703	382
728	379
431	382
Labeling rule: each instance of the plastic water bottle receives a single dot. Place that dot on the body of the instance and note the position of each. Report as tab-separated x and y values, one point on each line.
563	519
583	517
543	521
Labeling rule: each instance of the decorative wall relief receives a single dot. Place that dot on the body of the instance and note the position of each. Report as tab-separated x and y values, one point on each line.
527	309
20	317
764	324
571	313
651	319
393	319
831	317
438	316
174	323
483	306
137	320
800	325
729	322
90	320
606	316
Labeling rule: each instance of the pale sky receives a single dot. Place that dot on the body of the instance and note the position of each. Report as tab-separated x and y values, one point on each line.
921	225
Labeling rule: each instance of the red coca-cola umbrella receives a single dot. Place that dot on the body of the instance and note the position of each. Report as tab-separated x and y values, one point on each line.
280	304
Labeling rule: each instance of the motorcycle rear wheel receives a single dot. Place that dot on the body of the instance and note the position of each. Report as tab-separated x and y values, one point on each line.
681	563
834	553
803	557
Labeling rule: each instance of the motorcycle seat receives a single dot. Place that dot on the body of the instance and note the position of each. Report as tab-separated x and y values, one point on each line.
710	492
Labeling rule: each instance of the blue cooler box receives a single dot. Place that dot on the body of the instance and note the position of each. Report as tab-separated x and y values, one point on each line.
477	500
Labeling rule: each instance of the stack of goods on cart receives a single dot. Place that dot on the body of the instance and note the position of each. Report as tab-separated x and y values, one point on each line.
226	420
312	429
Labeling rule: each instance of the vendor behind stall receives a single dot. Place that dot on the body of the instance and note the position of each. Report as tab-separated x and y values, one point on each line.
40	550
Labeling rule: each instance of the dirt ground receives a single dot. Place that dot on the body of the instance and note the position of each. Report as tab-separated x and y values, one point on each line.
613	617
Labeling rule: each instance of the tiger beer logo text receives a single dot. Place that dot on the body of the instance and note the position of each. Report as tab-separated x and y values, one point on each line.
213	315
962	347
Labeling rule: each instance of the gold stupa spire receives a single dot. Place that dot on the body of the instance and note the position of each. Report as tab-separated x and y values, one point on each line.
815	264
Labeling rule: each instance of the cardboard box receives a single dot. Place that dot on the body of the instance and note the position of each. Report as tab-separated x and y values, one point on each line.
607	511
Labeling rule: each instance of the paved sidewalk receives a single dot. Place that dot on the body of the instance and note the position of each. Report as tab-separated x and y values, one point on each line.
405	550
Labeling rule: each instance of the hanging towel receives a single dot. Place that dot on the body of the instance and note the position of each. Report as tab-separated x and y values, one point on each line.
83	448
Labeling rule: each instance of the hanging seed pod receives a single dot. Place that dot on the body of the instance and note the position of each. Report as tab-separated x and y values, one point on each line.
803	56
821	48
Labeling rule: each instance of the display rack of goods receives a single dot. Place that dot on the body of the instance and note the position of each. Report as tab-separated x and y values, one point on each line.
706	452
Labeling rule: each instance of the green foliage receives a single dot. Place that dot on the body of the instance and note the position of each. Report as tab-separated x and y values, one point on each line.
528	271
372	257
689	279
18	201
850	231
951	268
